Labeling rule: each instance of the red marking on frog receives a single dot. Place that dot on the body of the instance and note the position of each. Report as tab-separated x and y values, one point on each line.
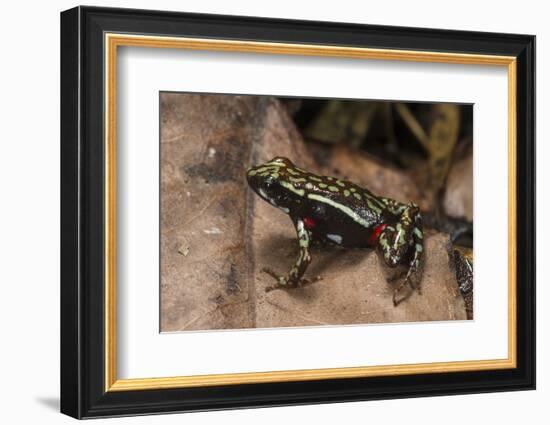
309	223
373	238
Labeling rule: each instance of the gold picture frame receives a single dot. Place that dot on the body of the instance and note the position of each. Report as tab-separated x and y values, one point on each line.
114	41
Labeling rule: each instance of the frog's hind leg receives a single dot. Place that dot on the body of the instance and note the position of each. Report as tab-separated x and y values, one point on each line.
397	241
295	276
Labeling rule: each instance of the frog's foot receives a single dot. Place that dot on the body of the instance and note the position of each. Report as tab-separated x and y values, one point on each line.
284	282
397	291
413	285
407	279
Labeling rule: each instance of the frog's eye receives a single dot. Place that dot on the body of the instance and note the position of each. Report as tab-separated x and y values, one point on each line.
269	181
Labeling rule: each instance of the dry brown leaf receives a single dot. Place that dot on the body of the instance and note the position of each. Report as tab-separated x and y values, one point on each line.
207	142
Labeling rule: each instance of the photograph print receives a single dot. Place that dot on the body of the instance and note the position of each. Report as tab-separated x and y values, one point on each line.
292	212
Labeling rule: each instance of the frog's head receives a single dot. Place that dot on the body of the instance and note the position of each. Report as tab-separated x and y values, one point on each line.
272	181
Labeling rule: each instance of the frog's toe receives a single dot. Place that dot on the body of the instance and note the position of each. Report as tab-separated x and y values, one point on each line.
410	290
305	281
271	272
284	282
281	280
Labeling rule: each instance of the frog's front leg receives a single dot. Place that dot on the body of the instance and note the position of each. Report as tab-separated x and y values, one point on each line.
416	261
295	276
403	242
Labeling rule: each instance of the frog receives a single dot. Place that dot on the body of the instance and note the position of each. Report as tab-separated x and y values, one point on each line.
330	210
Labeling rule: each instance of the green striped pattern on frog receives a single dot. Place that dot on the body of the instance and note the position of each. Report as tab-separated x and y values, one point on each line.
340	212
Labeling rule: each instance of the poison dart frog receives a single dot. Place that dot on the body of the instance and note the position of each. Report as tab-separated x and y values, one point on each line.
340	212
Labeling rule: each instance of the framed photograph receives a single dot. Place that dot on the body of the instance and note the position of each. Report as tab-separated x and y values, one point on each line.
261	212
